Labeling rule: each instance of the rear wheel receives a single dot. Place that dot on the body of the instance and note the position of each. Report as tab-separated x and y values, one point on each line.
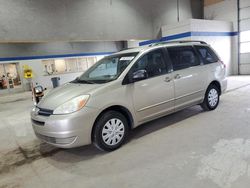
212	98
110	131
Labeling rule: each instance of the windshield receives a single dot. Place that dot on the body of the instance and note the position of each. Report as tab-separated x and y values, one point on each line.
107	69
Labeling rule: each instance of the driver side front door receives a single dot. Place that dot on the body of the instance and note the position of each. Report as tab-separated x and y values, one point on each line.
154	96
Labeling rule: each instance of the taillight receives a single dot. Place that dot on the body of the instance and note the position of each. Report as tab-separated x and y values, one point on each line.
223	64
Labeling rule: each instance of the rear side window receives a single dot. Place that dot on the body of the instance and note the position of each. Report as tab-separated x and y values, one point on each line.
207	54
183	57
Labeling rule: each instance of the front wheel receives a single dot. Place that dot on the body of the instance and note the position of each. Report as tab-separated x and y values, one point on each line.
212	98
110	131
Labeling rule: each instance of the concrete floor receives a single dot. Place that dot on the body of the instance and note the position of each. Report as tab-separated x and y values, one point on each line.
190	148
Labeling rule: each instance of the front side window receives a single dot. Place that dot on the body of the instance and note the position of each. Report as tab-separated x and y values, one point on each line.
207	55
153	62
182	57
107	69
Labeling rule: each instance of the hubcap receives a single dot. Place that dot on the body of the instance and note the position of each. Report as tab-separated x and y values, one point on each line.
113	132
213	97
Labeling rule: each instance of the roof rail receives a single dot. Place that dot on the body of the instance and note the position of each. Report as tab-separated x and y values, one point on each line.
126	49
179	41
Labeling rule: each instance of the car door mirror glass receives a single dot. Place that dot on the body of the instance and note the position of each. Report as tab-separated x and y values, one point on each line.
139	75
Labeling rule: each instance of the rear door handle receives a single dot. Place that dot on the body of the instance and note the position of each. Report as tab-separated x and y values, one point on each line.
167	79
177	76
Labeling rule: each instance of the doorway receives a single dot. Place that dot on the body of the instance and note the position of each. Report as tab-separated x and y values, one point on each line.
10	80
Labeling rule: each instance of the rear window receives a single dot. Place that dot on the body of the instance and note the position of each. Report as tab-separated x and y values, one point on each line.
207	54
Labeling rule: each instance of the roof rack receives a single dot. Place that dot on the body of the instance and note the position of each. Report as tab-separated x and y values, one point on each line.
126	49
180	41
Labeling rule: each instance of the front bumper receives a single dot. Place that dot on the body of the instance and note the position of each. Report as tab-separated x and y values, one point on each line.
65	131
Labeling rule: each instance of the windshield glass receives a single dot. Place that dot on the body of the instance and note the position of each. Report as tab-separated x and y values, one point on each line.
107	69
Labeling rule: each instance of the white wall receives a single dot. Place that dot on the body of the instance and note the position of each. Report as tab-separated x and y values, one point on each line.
245	26
40	75
77	20
176	28
166	13
221	44
133	43
226	11
18	51
57	48
81	20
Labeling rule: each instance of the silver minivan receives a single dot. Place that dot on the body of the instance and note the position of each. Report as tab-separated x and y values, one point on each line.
127	89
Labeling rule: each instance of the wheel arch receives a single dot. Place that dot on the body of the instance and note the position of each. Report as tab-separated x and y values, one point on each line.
123	110
217	84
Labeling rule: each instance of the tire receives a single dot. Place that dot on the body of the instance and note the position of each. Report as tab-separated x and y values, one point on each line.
111	131
212	98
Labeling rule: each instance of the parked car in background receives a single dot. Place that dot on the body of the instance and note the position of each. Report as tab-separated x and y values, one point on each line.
127	89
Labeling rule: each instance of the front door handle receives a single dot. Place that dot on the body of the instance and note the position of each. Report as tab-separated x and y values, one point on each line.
177	76
167	79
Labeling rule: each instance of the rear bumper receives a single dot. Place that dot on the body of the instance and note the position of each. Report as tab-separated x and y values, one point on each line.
223	85
65	131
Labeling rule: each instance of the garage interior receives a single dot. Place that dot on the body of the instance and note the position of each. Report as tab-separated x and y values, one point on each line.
63	38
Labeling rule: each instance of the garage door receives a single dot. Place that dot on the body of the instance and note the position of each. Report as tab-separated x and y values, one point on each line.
244	36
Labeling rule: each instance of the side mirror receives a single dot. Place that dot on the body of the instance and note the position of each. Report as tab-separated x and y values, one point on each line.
38	89
139	75
135	76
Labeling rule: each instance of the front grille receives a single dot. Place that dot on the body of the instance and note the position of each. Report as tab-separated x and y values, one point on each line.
40	123
45	112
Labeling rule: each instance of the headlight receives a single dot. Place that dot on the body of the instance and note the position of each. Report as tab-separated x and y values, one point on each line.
73	105
34	109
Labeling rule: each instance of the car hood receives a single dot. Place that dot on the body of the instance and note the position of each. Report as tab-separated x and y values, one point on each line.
64	93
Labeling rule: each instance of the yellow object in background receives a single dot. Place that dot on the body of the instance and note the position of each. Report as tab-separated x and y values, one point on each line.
27	71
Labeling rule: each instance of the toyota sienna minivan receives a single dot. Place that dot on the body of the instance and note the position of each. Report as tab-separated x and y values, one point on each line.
127	89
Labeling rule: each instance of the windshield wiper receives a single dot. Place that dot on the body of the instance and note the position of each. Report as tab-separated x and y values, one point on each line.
82	81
